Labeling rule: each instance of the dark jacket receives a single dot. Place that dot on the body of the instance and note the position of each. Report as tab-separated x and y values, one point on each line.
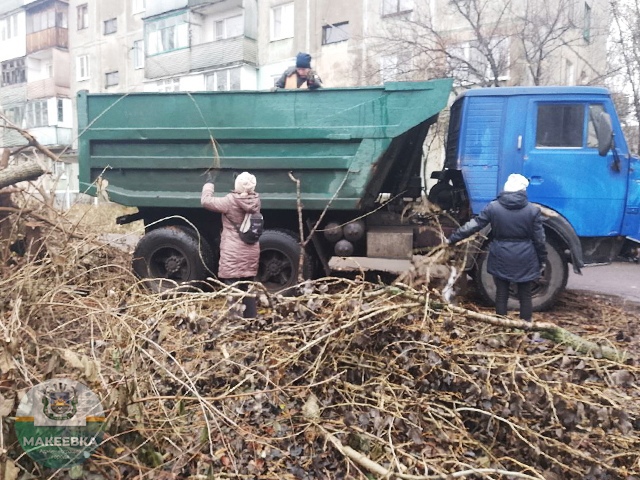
312	81
237	259
517	250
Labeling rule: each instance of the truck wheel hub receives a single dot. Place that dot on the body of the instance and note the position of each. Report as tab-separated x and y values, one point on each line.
173	264
274	267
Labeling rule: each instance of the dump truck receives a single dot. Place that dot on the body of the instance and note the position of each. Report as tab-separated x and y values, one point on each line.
340	173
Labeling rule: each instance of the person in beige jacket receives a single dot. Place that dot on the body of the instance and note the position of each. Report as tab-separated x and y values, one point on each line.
238	260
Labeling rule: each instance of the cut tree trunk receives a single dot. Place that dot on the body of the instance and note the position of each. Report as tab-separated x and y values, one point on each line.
20	173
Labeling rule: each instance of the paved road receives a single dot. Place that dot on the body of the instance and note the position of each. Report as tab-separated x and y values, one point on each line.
621	279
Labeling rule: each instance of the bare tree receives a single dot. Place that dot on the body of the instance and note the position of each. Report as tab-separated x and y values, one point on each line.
625	58
490	41
475	54
545	28
481	42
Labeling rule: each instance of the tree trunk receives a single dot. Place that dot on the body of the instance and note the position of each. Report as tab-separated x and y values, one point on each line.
4	161
20	173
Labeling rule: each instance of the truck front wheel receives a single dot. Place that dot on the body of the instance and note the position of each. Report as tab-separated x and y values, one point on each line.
545	292
280	260
170	256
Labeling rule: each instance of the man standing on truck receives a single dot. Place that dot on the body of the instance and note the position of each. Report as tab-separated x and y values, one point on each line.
517	252
238	260
300	76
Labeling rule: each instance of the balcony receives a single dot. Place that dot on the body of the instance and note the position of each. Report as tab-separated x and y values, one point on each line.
46	88
52	136
11	138
222	53
49	38
13	94
213	6
163	6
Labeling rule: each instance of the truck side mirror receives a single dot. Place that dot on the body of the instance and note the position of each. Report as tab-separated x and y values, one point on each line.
604	132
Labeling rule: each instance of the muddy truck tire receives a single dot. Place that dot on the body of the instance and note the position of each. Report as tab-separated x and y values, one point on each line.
545	291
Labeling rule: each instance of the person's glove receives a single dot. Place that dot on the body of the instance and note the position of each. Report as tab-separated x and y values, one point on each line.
209	178
313	79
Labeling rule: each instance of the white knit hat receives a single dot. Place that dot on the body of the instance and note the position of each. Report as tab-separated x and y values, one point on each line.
245	183
515	183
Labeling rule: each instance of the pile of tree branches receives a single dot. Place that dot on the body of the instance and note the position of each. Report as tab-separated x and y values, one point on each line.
348	379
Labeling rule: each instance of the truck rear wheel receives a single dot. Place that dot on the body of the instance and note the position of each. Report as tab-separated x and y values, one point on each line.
171	256
279	260
545	292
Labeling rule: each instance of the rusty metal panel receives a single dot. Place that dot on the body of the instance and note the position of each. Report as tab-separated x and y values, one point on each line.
390	242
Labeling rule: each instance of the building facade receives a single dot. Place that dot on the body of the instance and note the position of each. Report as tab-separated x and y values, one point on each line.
51	49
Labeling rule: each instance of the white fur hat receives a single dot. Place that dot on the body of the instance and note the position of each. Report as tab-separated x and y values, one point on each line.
245	183
515	183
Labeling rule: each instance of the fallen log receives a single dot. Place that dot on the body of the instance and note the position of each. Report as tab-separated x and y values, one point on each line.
550	331
20	173
547	330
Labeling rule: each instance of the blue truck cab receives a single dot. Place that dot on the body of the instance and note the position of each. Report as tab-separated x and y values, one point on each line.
568	142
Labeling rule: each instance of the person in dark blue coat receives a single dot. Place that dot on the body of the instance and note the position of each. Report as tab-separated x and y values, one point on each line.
517	251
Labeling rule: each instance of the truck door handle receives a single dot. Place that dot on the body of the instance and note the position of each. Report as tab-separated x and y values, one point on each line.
536	180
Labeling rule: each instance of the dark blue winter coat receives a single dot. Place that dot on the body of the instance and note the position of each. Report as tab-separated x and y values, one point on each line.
517	250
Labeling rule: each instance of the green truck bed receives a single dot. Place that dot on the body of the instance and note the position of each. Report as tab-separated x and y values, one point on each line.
154	148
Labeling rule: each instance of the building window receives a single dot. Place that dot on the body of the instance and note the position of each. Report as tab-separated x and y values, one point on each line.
169	85
111	79
37	115
229	27
167	34
9	27
13	72
469	65
138	6
110	26
15	114
224	80
334	33
569	72
60	110
389	7
586	27
82	67
46	19
83	16
282	21
138	54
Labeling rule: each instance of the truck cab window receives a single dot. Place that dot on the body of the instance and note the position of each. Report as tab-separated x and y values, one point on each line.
560	126
594	111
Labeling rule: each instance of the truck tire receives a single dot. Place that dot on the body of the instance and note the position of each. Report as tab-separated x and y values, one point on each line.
171	256
279	260
545	292
441	194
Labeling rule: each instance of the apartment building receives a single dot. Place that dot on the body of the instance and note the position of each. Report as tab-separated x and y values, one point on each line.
35	91
51	49
106	45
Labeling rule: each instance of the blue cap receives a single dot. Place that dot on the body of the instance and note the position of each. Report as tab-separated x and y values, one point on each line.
303	60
